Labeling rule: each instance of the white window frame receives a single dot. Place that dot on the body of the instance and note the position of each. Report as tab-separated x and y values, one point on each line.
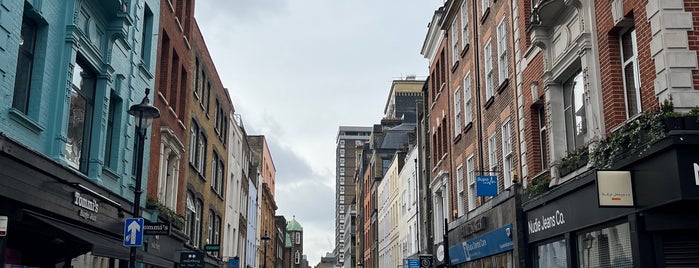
633	61
468	100
492	153
489	79
454	41
457	111
485	4
471	179
465	34
506	134
461	196
502	51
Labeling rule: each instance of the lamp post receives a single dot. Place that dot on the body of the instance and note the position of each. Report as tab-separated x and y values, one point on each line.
265	238
144	113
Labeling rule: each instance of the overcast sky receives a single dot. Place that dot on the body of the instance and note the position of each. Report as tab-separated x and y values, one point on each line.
298	69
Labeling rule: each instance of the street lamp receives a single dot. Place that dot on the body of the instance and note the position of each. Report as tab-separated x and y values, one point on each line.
144	113
265	238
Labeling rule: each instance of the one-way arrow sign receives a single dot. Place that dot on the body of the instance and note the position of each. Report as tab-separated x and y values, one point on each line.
133	232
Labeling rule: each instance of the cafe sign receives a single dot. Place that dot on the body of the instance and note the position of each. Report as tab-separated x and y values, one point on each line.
88	207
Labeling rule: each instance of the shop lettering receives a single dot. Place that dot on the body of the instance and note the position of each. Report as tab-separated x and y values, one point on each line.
87	215
546	222
476	244
85	203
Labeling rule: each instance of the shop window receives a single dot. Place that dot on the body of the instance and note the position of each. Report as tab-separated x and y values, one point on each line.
551	255
608	247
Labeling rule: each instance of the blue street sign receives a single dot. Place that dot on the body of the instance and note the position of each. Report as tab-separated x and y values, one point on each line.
486	185
413	263
133	232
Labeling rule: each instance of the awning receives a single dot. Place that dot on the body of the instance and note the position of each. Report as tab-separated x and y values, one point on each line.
102	245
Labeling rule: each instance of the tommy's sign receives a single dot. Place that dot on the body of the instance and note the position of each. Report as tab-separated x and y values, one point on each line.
90	206
546	222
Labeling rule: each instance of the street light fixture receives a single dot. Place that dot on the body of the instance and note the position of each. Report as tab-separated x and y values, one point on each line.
144	113
265	238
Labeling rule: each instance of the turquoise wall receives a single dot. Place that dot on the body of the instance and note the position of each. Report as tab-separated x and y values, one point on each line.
108	36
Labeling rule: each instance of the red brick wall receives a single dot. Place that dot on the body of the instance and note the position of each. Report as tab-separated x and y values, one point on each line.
163	82
612	84
693	36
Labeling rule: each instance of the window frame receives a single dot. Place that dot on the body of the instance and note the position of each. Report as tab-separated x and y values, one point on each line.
489	76
460	193
455	41
471	180
502	59
633	62
458	120
25	58
465	34
468	99
507	153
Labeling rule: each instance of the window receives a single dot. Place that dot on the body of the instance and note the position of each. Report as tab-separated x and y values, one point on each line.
502	51
492	153
605	247
471	179
468	103
193	131
297	257
217	174
197	84
342	144
25	65
574	112
489	79
80	120
112	139
485	4
461	198
342	152
169	170
357	143
632	79
541	113
457	111
464	23
201	153
454	41
507	154
551	255
342	162
147	35
197	224
210	228
297	238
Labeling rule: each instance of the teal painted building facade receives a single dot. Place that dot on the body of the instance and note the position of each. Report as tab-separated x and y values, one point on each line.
69	72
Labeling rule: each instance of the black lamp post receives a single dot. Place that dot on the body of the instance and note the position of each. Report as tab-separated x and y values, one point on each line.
144	113
265	238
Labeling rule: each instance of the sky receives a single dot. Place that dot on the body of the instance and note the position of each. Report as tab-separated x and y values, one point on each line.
296	70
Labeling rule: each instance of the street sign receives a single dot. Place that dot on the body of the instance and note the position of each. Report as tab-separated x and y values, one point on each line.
133	232
486	185
191	259
156	228
413	263
212	247
3	225
425	261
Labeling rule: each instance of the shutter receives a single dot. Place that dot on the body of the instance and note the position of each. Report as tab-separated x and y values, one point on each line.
681	249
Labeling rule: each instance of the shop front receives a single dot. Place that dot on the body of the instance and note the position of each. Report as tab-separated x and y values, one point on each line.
488	236
643	213
55	214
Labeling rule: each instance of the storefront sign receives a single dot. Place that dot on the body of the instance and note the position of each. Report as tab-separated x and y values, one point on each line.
88	207
474	226
3	225
486	185
85	203
545	222
192	259
614	188
491	243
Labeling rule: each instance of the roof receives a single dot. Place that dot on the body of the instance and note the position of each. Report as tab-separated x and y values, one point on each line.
293	225
397	137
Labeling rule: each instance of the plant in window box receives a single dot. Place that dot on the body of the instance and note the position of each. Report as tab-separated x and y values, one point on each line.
573	161
165	213
671	120
538	186
691	120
